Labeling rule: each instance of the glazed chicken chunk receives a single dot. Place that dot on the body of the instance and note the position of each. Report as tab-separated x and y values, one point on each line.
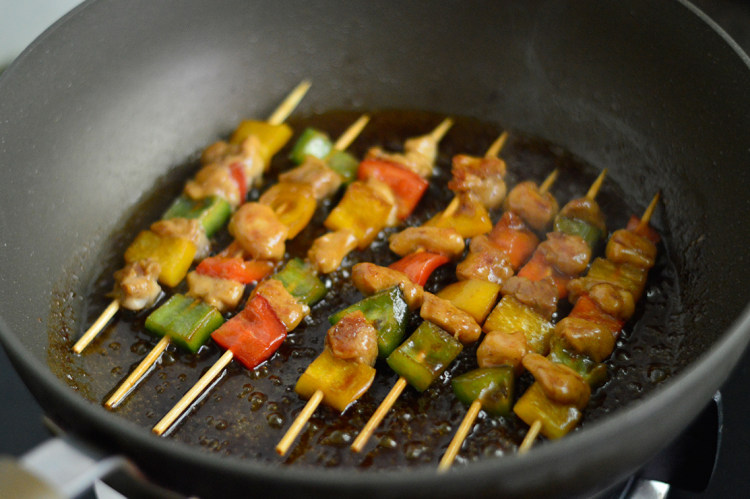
418	156
499	348
186	228
328	251
482	177
485	261
587	337
289	311
560	383
224	294
354	338
568	253
214	179
136	285
537	209
539	295
444	241
370	278
626	246
443	313
257	228
315	173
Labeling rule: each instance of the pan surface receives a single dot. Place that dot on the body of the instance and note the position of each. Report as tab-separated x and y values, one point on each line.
104	103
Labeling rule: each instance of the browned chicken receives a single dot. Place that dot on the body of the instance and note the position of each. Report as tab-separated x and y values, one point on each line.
485	261
625	246
214	179
370	278
443	313
136	285
259	231
539	295
503	349
481	176
568	253
587	337
224	294
328	251
186	228
354	338
587	210
560	383
535	208
289	311
444	241
315	173
418	156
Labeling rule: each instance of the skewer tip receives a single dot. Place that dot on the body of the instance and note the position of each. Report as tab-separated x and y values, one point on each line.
439	132
547	184
596	186
646	218
497	146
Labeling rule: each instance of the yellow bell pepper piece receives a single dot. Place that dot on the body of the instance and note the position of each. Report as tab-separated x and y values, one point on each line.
173	254
362	211
341	381
511	315
473	296
557	419
469	217
271	137
294	204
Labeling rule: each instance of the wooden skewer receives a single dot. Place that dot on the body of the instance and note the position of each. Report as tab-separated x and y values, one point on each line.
168	420
439	132
536	426
137	373
277	117
460	436
299	422
379	414
547	184
349	135
476	406
497	146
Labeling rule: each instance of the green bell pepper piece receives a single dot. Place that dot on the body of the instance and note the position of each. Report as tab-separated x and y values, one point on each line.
576	227
212	212
187	321
492	386
311	142
424	355
300	280
594	373
388	313
344	164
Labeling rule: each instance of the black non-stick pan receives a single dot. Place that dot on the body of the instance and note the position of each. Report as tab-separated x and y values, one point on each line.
111	97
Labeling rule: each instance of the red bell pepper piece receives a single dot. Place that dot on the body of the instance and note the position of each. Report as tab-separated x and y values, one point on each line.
419	266
586	308
405	184
645	230
514	237
234	268
238	175
253	335
539	268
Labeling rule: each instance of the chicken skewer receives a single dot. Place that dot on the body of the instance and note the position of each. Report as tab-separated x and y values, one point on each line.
440	314
351	326
277	139
579	226
275	309
145	365
604	301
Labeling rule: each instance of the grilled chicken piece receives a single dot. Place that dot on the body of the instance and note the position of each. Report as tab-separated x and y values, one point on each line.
328	251
247	154
224	294
214	179
259	231
370	278
418	156
482	177
539	295
587	210
354	338
315	173
568	253
444	241
485	261
625	246
503	349
288	310
443	313
136	285
560	383
612	299
587	337
535	208
186	228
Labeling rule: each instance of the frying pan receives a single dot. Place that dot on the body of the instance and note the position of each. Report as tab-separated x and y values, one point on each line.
97	109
